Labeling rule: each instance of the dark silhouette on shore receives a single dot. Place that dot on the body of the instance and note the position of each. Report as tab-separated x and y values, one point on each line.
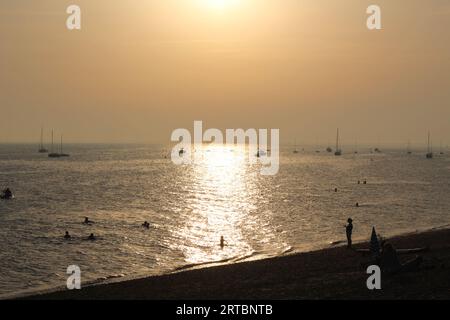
349	231
389	261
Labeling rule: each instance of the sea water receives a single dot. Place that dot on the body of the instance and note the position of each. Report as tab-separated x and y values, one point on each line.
190	207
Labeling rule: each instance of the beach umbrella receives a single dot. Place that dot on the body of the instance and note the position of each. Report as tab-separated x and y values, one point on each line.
374	243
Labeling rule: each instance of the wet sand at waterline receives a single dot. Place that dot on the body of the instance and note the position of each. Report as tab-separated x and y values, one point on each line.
334	273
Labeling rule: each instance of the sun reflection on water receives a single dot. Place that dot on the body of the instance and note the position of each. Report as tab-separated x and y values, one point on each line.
221	184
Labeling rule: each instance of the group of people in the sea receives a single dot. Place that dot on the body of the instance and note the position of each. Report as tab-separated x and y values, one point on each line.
86	221
91	237
145	225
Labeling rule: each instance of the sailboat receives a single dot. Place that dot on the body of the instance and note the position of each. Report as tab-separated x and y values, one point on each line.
295	146
41	145
61	153
53	154
429	148
338	150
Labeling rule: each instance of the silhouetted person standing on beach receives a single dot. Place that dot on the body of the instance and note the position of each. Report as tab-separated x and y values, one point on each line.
349	231
222	242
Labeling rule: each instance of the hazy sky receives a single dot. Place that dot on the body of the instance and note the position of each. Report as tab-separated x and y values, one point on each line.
139	69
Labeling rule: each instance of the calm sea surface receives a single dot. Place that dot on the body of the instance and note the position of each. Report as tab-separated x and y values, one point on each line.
190	207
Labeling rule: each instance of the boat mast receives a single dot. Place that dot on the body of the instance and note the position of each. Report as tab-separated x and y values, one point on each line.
337	140
52	140
42	138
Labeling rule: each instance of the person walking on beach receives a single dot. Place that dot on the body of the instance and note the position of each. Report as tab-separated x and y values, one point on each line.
349	231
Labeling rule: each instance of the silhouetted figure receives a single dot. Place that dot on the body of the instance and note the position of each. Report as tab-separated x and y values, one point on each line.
349	231
365	181
222	242
67	235
357	204
7	194
92	237
146	225
87	221
335	189
359	181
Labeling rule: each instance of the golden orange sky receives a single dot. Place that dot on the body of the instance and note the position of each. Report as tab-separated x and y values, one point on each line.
139	69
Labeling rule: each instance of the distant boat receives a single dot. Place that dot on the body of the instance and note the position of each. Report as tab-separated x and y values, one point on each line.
441	151
53	154
41	144
408	148
295	147
61	153
429	148
338	149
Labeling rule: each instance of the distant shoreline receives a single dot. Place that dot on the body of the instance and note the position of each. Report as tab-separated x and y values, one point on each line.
333	273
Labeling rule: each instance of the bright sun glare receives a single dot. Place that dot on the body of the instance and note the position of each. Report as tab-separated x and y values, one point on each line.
220	4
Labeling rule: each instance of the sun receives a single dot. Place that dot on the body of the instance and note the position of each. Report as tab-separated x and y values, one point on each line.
220	4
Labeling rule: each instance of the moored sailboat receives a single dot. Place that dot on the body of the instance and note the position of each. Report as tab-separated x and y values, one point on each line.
61	153
429	148
53	154
41	144
338	149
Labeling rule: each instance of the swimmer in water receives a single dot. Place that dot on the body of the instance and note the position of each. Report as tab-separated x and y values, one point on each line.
67	235
222	242
87	221
92	237
146	225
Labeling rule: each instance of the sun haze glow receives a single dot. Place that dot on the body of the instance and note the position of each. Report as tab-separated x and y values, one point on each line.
220	4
